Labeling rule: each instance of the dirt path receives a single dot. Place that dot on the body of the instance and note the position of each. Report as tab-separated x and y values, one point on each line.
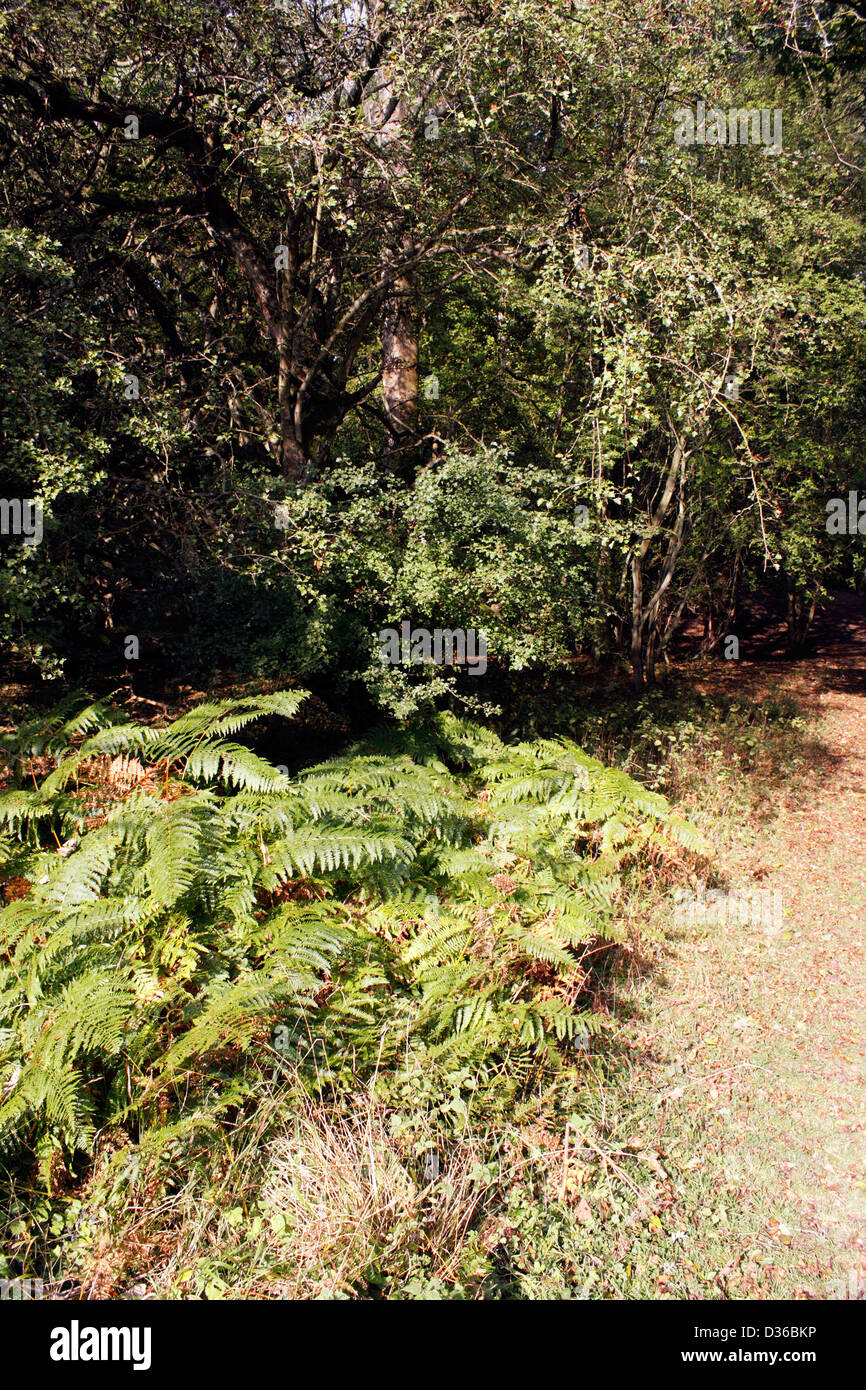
767	1025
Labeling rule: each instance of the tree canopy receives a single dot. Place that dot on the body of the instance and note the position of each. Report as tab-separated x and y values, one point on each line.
318	316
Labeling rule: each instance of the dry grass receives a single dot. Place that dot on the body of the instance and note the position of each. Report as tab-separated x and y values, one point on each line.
351	1196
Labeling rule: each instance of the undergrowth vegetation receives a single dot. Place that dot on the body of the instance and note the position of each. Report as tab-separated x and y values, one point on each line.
187	930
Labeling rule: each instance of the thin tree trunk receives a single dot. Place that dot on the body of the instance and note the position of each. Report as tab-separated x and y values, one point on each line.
800	615
645	616
638	665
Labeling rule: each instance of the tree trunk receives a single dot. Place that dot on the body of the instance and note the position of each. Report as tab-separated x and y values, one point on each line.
400	372
801	611
645	615
292	460
388	113
638	655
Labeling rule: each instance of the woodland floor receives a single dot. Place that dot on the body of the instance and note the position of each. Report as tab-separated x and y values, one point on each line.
750	1044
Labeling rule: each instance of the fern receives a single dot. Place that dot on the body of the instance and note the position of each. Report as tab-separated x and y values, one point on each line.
183	899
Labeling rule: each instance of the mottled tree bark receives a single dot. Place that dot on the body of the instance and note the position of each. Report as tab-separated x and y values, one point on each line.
388	114
400	370
645	613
